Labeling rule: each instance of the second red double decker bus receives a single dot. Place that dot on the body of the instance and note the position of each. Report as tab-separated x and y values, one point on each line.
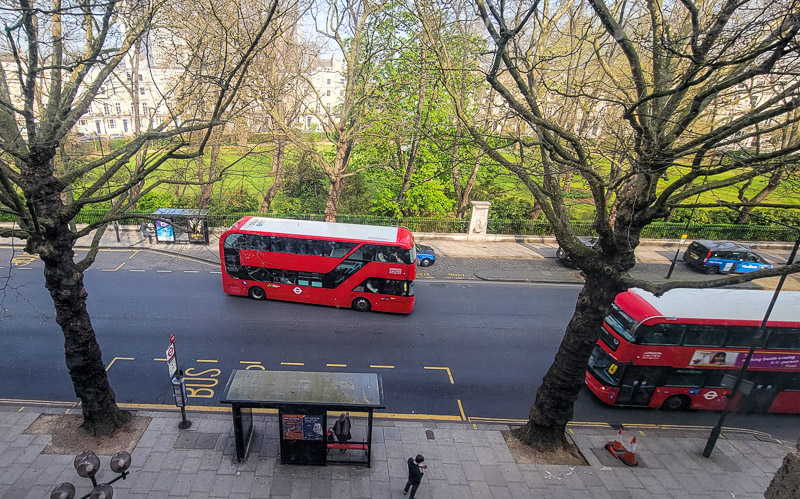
344	265
673	352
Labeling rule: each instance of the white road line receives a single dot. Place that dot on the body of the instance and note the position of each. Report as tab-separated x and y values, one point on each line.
214	272
163	271
191	271
136	270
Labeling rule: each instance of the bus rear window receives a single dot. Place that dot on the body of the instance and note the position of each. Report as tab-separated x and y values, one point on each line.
620	322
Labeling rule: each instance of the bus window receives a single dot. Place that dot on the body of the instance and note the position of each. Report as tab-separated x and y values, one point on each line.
739	336
660	334
685	377
602	366
621	323
395	288
784	338
704	336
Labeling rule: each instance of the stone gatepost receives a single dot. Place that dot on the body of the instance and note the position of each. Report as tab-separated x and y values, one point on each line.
478	220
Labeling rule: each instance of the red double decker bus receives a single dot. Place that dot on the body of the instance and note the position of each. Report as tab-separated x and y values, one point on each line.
672	352
341	265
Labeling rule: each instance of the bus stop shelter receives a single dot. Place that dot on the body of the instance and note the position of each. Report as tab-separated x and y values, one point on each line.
303	400
177	225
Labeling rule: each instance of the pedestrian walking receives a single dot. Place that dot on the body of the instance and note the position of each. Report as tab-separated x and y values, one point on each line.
415	471
341	428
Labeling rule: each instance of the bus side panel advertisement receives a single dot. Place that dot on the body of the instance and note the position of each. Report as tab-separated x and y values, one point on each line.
717	358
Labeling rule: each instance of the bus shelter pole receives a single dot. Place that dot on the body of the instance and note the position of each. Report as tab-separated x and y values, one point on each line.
712	439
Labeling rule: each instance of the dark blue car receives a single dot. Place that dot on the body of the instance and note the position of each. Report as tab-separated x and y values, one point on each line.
425	255
723	257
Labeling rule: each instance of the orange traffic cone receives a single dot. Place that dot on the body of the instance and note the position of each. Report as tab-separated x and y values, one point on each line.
629	456
615	447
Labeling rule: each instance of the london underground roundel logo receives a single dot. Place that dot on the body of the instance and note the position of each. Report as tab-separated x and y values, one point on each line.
297	290
710	395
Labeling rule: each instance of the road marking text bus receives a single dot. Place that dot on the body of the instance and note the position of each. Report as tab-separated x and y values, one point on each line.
344	265
672	352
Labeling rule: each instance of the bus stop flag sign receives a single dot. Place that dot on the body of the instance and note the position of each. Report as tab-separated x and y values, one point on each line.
172	362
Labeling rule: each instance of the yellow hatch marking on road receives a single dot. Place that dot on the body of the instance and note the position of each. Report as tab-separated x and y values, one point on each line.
20	409
641	432
336	365
293	363
570	430
474	426
116	359
66	412
461	410
207	360
449	374
116	269
378	366
134	254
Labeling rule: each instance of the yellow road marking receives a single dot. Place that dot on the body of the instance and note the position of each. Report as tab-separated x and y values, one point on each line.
207	360
20	409
641	432
378	366
449	374
134	254
293	363
570	430
249	362
461	410
474	426
336	365
116	269
116	359
162	360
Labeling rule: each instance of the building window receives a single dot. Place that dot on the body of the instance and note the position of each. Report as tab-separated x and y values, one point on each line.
112	124
99	127
144	108
141	78
308	122
329	81
118	107
83	122
125	126
128	75
141	90
328	93
106	109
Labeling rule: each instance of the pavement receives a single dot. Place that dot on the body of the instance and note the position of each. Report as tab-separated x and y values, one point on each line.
467	459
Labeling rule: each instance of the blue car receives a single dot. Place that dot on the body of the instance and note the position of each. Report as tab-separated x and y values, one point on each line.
724	257
426	256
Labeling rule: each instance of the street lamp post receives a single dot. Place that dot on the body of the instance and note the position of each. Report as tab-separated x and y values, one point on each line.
712	438
87	465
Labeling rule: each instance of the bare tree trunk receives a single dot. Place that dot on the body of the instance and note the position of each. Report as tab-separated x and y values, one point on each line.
207	188
463	198
773	183
277	167
336	175
64	280
786	482
556	397
334	193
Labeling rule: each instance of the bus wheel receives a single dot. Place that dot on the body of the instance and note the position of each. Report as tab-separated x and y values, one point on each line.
361	304
676	403
256	293
712	270
425	263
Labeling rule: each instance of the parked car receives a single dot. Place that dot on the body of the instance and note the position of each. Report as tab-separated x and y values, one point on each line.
426	256
725	257
566	260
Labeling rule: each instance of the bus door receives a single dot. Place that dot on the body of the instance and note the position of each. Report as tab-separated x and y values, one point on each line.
639	384
765	389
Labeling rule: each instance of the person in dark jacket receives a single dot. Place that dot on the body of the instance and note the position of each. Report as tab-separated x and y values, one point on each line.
342	429
415	471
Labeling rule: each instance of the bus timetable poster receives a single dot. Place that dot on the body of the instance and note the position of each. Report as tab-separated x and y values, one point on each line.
292	426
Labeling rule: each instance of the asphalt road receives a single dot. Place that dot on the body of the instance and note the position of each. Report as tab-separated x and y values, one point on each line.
469	345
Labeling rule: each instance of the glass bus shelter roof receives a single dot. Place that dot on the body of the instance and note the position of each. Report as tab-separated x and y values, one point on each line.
272	388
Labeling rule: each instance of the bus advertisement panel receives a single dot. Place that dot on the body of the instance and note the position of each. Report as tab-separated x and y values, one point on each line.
343	265
673	352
